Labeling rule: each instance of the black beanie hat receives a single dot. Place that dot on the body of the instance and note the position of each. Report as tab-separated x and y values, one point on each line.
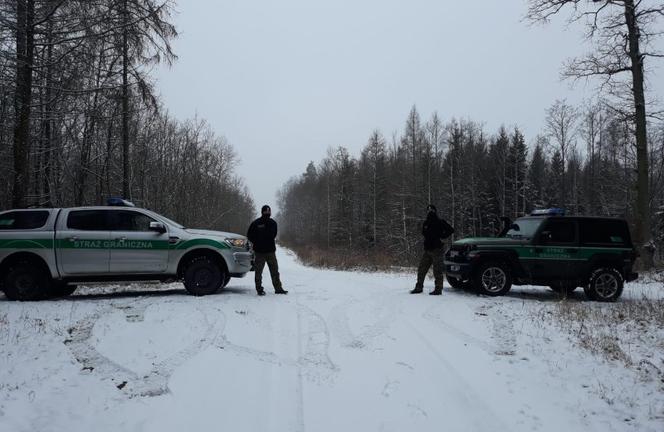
265	208
432	207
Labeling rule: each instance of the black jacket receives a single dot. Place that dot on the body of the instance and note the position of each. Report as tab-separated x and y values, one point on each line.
434	231
262	233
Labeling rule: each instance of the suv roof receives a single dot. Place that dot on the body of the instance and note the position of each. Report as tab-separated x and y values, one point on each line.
609	218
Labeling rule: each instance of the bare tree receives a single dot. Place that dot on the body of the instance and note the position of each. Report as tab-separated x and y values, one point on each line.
77	74
623	33
561	127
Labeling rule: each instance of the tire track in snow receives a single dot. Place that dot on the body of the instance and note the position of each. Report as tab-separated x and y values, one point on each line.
386	309
313	362
502	331
474	402
456	332
313	357
155	383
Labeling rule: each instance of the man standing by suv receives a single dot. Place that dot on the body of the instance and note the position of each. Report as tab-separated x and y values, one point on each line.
262	234
434	231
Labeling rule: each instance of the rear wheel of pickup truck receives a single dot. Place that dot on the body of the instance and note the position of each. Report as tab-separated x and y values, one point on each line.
27	281
203	276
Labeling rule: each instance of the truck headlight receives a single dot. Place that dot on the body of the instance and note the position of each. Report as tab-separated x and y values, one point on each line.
237	243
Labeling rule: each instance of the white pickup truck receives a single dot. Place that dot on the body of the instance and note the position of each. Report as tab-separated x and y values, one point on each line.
43	252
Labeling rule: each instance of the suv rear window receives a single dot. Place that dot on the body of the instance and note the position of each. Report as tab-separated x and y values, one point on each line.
87	220
604	233
18	220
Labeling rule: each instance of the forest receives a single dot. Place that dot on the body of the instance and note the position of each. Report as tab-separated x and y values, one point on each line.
81	119
604	158
367	209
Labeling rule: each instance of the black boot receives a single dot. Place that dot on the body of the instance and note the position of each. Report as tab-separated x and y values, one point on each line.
260	291
280	291
416	290
436	291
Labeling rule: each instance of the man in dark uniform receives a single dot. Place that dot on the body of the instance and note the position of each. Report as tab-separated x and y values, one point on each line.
434	231
262	234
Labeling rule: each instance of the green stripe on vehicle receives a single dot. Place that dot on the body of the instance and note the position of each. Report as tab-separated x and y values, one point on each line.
200	242
113	244
109	244
26	244
553	252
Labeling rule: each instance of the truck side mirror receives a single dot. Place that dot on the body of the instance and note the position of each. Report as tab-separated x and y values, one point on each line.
157	227
545	236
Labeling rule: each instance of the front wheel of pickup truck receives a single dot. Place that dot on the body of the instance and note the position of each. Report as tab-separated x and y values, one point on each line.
203	276
26	281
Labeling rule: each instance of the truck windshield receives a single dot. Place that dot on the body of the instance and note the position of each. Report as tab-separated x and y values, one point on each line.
524	228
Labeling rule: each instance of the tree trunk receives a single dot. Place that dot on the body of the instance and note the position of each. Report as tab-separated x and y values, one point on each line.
48	121
125	103
375	186
25	13
642	226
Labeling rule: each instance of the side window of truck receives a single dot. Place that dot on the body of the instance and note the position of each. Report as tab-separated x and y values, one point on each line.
560	232
604	233
127	220
20	220
87	220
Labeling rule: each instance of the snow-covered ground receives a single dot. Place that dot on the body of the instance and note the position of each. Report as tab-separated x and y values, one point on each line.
341	352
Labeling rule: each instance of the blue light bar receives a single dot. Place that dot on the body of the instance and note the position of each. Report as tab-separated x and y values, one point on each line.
548	212
119	202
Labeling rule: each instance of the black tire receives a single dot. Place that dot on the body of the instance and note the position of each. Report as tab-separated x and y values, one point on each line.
492	278
227	279
458	284
27	281
203	276
606	285
563	288
62	289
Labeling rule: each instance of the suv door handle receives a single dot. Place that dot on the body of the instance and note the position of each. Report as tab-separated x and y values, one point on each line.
121	239
72	239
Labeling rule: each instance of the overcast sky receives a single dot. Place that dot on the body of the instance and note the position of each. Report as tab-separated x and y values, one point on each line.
284	80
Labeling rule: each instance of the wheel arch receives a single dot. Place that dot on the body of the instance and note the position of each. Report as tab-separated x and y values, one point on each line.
201	252
603	260
508	257
17	257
